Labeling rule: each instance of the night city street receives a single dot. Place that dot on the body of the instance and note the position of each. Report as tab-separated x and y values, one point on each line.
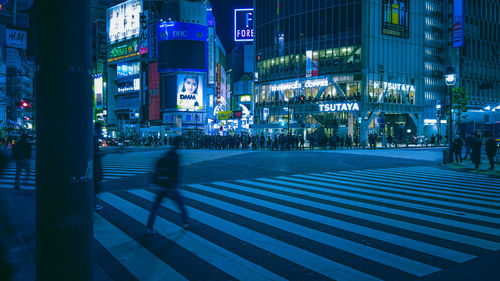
213	140
273	215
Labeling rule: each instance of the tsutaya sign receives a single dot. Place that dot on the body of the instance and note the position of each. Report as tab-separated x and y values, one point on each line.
395	86
297	85
330	107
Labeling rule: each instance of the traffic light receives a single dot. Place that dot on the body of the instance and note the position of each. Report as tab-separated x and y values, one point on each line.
25	104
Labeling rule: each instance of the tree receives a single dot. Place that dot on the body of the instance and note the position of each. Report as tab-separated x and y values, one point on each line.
460	103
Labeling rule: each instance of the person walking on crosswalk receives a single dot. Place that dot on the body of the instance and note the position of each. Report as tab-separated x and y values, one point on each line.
21	153
167	177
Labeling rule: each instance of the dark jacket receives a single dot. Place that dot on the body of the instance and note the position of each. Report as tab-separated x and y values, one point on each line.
458	144
491	147
476	150
167	170
21	150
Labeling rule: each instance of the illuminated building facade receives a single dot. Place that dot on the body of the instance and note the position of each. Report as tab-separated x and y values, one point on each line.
363	60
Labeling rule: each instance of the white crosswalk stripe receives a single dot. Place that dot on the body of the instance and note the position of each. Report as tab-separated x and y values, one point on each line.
328	224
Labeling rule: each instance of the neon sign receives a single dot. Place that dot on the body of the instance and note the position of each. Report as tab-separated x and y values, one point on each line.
332	107
243	24
297	85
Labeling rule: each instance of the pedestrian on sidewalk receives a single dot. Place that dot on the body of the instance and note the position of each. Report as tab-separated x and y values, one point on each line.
468	140
21	153
167	177
491	150
457	149
476	150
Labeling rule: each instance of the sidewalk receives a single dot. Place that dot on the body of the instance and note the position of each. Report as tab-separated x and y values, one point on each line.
468	166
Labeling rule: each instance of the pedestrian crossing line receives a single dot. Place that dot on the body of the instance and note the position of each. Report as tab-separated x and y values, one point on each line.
403	193
429	231
394	239
221	258
22	187
130	168
370	253
438	185
447	174
388	210
297	255
131	254
480	205
123	174
421	205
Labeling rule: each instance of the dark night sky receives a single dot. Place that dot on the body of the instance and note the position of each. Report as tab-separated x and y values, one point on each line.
223	12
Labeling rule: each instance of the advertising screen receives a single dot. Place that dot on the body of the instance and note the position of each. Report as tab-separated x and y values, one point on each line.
123	20
182	55
189	92
124	70
395	15
243	24
182	46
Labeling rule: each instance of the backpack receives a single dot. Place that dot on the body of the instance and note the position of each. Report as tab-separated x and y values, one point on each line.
165	174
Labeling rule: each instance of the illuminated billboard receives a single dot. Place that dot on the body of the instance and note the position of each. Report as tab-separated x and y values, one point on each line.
123	20
189	92
124	70
98	90
395	14
243	24
182	46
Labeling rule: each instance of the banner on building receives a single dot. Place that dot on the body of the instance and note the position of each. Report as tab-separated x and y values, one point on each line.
396	20
458	23
211	56
309	63
143	34
315	64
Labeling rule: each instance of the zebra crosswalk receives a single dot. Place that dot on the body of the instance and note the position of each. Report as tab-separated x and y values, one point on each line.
382	224
112	168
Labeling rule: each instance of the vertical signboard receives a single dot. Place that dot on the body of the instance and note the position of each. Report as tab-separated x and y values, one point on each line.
211	56
243	24
315	64
154	92
143	34
153	42
98	91
309	63
218	83
458	23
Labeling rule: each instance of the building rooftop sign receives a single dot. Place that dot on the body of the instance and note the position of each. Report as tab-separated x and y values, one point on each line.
243	25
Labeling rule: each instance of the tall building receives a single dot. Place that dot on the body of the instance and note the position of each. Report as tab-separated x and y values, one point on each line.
17	105
330	67
477	60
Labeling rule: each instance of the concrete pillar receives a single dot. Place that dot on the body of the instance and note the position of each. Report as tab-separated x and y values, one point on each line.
64	164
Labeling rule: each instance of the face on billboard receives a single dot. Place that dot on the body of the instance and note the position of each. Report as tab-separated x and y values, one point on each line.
189	92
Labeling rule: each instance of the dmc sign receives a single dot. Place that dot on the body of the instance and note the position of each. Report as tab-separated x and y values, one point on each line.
173	30
243	24
332	107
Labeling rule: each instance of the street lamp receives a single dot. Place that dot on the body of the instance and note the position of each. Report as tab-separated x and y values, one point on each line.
450	79
438	114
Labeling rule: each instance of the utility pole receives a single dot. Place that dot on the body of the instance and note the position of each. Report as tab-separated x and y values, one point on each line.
64	164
